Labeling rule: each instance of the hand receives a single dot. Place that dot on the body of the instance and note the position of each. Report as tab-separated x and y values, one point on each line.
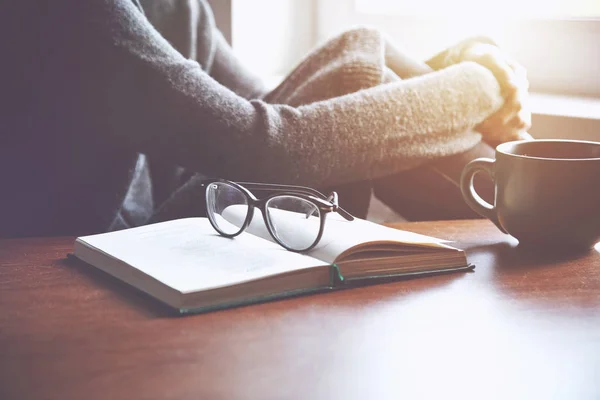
513	119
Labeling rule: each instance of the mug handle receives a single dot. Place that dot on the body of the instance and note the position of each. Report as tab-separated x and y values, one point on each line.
479	205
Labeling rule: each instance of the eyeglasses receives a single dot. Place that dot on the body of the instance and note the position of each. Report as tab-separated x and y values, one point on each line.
294	215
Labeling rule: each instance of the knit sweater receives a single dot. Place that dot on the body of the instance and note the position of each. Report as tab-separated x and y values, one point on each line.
91	84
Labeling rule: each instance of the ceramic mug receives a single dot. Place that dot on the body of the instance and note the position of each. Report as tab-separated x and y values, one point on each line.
547	191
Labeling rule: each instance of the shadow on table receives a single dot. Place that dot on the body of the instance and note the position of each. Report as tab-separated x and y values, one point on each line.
512	256
552	279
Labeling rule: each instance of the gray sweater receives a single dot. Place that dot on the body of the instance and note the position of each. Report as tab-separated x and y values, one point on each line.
90	84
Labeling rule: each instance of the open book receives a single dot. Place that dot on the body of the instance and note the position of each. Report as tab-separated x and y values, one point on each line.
186	264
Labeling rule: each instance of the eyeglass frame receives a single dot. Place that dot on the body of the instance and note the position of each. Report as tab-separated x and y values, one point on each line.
325	204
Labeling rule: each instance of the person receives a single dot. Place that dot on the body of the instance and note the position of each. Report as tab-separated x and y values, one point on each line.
114	110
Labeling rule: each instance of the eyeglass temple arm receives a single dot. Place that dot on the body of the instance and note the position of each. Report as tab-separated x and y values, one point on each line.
333	197
300	189
274	186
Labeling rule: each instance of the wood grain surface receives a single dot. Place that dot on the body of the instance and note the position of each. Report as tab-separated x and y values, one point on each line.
524	325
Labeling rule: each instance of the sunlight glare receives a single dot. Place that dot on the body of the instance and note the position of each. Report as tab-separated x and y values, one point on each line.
493	8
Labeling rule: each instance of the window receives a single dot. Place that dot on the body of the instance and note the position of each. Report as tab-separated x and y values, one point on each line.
557	40
271	36
507	8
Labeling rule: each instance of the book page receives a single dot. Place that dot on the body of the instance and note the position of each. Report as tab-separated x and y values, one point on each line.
339	234
297	228
189	255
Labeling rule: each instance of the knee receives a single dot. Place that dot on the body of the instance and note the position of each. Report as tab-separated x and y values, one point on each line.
358	54
359	34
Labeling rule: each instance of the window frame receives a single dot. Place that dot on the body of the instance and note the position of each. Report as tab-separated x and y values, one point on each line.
554	64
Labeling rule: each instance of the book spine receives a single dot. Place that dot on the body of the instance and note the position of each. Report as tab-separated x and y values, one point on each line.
335	276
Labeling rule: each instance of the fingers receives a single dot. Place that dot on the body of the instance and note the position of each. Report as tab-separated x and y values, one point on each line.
517	123
506	124
516	111
513	120
511	75
513	113
494	129
496	61
499	128
523	120
513	104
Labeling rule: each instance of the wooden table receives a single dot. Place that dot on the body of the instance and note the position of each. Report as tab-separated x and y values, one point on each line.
522	326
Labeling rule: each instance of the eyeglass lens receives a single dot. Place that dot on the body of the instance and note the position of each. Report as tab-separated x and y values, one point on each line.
296	222
292	220
227	207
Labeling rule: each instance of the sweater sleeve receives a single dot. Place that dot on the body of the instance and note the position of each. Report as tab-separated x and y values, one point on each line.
453	54
134	90
224	66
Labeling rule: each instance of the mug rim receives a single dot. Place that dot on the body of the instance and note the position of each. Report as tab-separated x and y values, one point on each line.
503	149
